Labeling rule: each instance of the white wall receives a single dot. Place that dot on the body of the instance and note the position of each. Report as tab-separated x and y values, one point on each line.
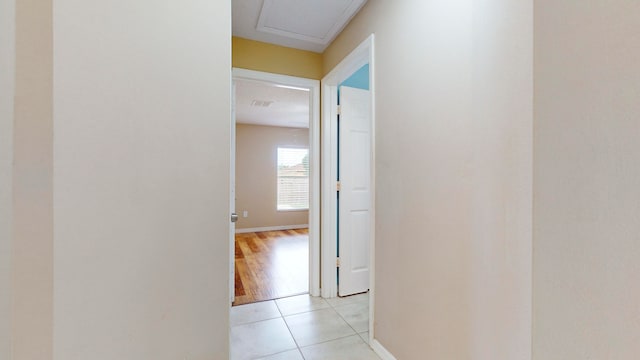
7	73
453	175
142	107
587	180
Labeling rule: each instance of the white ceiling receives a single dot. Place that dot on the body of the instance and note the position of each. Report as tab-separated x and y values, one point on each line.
285	107
303	24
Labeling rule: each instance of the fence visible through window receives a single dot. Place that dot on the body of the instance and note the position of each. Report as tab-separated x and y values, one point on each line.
293	178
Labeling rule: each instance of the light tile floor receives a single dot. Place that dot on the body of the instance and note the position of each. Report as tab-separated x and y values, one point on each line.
302	328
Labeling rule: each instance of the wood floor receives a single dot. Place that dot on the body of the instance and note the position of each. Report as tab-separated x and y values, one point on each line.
271	265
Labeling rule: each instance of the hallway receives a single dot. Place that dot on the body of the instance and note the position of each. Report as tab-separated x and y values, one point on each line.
302	328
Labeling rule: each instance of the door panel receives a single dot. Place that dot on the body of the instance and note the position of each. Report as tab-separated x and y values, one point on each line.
355	190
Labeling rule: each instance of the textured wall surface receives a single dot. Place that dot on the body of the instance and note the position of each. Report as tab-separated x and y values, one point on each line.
141	125
586	194
453	83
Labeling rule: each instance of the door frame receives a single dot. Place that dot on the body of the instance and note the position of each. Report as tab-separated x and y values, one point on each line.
362	55
314	160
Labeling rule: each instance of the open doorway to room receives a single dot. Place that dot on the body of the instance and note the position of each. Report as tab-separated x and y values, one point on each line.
276	163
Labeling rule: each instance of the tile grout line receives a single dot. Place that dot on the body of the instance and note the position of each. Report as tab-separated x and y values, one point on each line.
298	347
346	322
288	328
257	321
322	342
328	341
281	352
304	312
355	333
351	303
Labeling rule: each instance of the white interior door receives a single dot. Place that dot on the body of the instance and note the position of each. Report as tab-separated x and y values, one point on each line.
232	196
355	190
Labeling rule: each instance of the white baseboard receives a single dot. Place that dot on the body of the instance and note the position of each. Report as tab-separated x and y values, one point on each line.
381	351
272	228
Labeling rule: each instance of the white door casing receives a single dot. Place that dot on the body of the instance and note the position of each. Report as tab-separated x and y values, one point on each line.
314	158
355	190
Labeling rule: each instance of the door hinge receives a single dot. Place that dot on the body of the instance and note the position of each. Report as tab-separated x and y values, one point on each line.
337	185
337	262
339	110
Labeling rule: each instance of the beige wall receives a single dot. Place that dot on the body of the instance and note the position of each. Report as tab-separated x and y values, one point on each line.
139	193
587	193
138	147
453	175
32	246
259	56
256	175
7	73
142	107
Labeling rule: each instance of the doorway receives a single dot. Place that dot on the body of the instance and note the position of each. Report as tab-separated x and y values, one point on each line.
281	226
359	59
332	266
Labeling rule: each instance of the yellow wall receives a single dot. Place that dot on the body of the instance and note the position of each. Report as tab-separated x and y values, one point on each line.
255	55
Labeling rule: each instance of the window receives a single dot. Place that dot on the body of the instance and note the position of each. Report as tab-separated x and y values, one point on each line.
293	179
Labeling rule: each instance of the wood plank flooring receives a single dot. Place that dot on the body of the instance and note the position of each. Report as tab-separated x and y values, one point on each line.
271	265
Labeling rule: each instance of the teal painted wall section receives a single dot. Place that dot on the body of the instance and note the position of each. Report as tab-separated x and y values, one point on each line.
359	79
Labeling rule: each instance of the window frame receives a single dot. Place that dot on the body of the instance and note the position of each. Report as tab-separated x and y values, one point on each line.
293	147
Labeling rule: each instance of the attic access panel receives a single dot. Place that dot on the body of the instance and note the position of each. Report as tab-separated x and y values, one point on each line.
316	21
